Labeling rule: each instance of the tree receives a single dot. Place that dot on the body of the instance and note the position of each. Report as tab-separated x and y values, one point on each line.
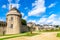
31	29
57	26
23	22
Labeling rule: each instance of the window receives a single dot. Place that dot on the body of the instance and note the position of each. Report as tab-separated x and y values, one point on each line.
11	18
11	26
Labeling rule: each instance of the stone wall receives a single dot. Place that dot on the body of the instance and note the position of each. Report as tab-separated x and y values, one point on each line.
16	24
24	28
2	30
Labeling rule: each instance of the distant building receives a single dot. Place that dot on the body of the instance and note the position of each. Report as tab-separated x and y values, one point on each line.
34	26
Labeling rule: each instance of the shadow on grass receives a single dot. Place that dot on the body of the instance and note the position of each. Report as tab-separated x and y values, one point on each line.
8	37
24	34
29	34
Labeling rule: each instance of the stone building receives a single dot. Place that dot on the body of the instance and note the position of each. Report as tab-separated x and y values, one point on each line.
34	26
13	22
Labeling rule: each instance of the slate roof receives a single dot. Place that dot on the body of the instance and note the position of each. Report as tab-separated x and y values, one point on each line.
16	10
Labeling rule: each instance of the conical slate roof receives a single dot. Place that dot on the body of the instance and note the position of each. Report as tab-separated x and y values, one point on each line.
14	11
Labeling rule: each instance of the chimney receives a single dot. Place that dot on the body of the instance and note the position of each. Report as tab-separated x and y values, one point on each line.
10	6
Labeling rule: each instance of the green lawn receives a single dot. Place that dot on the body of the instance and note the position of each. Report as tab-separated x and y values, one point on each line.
58	34
18	35
50	30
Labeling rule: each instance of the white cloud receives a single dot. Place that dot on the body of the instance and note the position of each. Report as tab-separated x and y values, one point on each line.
44	16
17	1
2	18
38	8
22	14
52	19
4	6
31	21
59	18
26	7
42	20
12	0
14	5
51	12
25	17
52	16
34	21
48	20
9	1
52	5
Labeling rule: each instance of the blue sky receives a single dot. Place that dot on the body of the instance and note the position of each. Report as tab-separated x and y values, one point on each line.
38	11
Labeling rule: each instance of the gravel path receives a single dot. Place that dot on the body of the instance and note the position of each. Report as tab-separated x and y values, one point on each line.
43	36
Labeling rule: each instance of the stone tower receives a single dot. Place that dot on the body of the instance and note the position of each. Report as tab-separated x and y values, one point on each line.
13	19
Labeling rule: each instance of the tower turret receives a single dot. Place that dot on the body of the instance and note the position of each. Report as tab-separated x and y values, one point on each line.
13	21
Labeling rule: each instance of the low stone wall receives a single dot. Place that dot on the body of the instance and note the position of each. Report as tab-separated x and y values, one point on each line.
24	28
1	30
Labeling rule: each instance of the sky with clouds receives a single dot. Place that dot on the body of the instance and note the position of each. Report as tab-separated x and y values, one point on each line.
38	11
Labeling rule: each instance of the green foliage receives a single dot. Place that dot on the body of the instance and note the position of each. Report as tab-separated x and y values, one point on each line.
23	22
57	26
58	34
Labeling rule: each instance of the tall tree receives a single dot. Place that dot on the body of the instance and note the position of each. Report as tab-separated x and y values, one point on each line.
23	22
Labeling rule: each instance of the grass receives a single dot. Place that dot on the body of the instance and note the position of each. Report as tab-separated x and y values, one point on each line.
58	34
50	30
19	35
29	34
7	34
